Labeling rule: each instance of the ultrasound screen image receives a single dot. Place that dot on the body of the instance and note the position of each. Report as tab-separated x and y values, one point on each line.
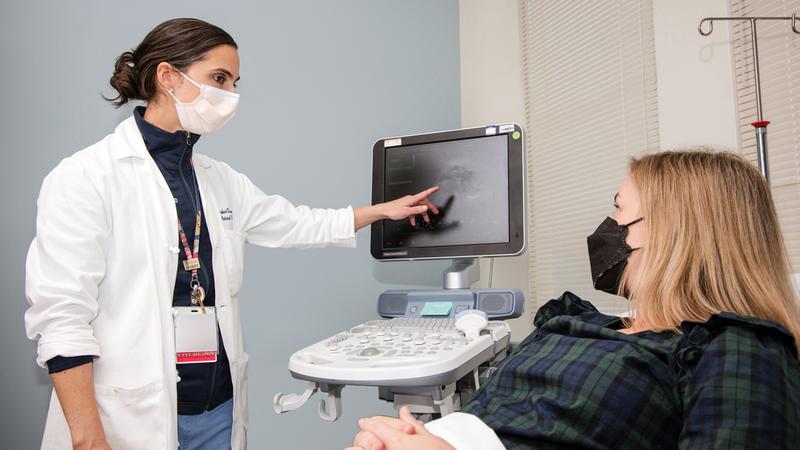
472	175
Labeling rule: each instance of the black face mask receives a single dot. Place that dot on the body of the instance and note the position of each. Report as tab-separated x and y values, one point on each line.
608	254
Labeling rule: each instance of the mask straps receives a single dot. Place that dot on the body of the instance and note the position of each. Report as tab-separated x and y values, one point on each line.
633	223
626	225
169	91
195	83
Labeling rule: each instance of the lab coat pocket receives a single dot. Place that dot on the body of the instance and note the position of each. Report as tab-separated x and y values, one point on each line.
133	418
240	388
234	259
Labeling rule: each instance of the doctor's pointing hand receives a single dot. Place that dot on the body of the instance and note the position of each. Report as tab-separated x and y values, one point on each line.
134	275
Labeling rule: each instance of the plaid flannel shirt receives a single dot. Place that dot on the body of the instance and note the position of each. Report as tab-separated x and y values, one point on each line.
575	382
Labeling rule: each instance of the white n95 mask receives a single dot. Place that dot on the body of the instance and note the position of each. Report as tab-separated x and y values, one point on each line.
207	113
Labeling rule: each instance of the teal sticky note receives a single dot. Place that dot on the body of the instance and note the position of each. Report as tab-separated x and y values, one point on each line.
437	309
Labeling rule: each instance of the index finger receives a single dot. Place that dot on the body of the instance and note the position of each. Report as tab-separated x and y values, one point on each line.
392	422
406	416
424	194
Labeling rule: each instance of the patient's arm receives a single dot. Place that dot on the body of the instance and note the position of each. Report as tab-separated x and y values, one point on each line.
743	392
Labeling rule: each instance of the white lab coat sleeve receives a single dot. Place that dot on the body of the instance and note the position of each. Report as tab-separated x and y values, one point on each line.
65	264
272	221
465	432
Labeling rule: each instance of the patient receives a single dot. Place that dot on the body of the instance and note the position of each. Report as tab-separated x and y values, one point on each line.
708	360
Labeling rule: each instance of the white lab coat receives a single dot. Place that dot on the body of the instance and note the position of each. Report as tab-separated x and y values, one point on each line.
101	271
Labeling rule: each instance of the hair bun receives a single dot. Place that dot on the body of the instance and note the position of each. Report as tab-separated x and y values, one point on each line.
125	80
180	42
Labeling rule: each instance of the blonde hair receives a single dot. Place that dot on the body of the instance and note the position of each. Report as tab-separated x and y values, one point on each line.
713	243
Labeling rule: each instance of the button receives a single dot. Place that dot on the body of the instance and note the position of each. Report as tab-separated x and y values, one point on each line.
406	338
387	338
413	310
369	351
419	342
690	355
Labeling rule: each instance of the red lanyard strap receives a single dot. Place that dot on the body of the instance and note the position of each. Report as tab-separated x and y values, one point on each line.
192	257
192	262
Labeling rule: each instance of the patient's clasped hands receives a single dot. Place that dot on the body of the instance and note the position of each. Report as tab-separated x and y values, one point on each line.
389	433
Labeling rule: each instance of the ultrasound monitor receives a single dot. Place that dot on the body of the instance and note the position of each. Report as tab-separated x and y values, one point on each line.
480	173
435	346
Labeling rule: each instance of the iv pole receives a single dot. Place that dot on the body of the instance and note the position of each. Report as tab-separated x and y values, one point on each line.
760	124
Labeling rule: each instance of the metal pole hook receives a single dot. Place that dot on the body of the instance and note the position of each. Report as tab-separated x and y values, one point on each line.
710	27
795	21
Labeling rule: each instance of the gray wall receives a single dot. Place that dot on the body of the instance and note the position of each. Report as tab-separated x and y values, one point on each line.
320	82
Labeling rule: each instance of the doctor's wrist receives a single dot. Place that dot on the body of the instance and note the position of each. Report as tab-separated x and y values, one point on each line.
380	212
366	215
90	441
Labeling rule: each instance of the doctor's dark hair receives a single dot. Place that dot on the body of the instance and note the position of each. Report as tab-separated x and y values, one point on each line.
179	42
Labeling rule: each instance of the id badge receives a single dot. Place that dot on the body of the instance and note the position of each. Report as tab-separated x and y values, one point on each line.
195	335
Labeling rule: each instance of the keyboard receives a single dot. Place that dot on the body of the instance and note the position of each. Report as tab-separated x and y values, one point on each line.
397	352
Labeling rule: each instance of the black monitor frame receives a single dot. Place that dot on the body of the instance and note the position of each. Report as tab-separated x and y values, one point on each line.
516	196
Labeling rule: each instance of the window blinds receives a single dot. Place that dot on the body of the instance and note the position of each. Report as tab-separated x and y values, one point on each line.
779	69
590	103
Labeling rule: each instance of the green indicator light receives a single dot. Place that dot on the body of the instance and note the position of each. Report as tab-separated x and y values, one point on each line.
515	135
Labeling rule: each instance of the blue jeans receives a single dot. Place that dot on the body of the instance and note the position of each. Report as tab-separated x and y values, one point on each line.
210	430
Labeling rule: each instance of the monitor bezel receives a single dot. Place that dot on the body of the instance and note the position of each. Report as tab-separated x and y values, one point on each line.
516	196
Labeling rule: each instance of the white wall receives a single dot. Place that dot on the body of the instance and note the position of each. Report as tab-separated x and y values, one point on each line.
696	97
491	92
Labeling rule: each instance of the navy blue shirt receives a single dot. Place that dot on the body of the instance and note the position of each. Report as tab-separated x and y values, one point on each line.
202	386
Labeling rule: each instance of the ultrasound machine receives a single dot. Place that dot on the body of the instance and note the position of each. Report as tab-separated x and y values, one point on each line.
431	349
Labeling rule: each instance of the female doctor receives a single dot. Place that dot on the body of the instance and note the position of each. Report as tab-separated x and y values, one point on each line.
133	277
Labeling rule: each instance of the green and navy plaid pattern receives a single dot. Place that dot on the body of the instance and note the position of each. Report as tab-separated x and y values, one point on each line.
575	382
